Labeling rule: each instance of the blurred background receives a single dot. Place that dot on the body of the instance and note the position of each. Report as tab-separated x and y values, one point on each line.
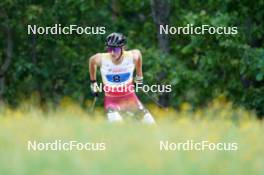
199	67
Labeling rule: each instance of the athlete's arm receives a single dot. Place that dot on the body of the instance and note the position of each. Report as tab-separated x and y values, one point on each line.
94	61
138	62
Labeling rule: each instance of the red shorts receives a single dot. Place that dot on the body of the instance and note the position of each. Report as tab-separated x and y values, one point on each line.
126	102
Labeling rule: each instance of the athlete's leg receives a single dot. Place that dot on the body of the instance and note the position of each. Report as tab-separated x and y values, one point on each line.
141	110
147	117
112	109
113	116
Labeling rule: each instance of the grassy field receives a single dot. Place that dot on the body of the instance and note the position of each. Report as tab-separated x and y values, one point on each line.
131	148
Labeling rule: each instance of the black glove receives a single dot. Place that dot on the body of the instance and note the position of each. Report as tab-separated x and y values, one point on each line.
94	88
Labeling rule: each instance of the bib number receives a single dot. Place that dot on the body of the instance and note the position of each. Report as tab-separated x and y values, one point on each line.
118	78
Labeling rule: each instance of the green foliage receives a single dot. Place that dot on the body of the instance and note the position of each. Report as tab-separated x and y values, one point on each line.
199	67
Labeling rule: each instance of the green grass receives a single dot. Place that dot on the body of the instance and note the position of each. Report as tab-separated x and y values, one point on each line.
132	148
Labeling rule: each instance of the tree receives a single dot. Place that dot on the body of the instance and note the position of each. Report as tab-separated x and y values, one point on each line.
160	14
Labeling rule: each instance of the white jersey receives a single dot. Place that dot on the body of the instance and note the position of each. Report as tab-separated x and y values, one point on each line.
116	75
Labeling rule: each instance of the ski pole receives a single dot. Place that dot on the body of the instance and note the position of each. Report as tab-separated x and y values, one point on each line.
93	104
153	99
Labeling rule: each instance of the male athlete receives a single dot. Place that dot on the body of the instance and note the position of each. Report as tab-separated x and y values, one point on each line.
117	67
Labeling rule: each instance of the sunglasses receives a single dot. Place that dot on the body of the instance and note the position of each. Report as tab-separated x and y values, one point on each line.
114	49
